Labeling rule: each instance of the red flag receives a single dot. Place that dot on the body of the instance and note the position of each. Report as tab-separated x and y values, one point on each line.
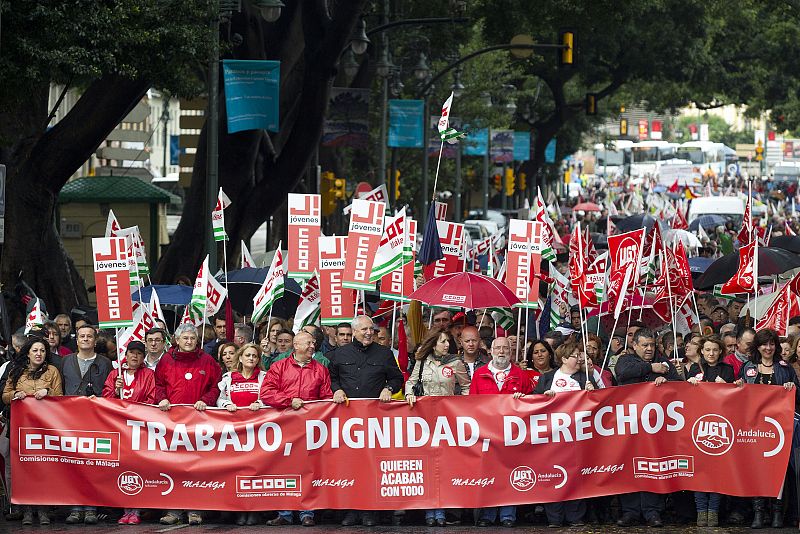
402	349
679	221
785	306
746	230
624	251
674	188
744	279
676	266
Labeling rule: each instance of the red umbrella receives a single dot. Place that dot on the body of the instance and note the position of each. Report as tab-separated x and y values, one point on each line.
465	290
586	206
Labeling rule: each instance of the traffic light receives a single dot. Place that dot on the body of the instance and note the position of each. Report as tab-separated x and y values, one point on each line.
498	182
623	126
759	151
591	104
396	184
326	188
339	185
566	38
509	182
523	181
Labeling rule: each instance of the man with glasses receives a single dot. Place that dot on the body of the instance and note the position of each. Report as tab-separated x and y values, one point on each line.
155	341
499	376
642	365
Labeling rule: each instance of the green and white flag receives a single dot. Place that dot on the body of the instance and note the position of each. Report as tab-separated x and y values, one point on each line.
272	288
446	133
218	217
548	230
308	309
559	296
503	317
207	296
139	252
389	256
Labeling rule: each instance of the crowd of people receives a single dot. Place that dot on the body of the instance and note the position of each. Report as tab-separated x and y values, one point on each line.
269	366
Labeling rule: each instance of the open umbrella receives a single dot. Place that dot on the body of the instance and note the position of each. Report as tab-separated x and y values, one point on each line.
586	206
771	261
786	242
688	239
634	222
708	222
465	290
176	295
243	285
699	264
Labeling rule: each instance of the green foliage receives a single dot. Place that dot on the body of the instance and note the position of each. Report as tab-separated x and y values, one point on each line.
77	41
719	131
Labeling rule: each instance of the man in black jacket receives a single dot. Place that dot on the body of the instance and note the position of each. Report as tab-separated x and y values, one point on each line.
635	367
363	369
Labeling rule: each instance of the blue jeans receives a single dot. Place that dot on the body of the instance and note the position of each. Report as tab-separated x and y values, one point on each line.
506	513
707	501
83	509
435	514
287	514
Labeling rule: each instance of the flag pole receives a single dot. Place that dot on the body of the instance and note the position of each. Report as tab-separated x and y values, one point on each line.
672	309
225	254
436	177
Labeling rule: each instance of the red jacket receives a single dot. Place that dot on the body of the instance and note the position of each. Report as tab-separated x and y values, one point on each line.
187	377
483	382
142	389
287	380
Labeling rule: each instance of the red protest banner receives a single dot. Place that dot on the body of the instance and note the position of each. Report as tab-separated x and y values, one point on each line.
303	228
112	279
448	452
451	237
363	239
398	284
337	304
523	260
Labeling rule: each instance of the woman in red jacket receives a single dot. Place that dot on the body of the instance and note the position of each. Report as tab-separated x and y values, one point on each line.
136	383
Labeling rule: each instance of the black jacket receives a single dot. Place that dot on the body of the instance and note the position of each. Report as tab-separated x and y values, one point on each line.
96	374
546	380
710	373
362	372
631	369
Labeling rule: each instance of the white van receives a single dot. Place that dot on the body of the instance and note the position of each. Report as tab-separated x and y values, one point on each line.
730	207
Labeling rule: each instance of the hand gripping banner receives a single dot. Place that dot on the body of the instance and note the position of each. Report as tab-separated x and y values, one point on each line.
446	452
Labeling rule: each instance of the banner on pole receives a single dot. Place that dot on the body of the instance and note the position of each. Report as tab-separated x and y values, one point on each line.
449	452
451	237
477	143
338	303
398	284
523	261
303	228
111	257
406	123
502	146
363	239
252	89
522	146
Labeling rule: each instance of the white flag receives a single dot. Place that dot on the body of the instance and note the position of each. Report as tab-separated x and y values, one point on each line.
207	296
217	217
390	251
247	259
379	194
155	306
112	226
139	253
308	309
272	288
444	121
34	318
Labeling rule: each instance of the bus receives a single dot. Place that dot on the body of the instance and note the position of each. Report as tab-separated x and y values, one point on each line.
708	155
648	156
613	158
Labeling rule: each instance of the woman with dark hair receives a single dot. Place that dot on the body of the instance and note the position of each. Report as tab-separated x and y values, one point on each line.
540	360
226	356
710	369
30	375
568	377
54	339
762	369
436	371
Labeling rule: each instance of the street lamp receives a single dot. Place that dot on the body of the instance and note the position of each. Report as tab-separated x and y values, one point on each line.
422	69
457	87
360	41
384	65
270	9
350	64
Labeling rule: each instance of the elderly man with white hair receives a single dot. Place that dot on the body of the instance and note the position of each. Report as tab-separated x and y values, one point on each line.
363	369
186	375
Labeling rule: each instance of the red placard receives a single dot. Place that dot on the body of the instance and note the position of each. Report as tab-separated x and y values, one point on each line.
451	237
523	261
337	303
112	279
363	239
448	452
303	228
399	283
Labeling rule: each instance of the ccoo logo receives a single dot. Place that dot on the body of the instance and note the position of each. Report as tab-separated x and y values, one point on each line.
713	434
130	483
522	478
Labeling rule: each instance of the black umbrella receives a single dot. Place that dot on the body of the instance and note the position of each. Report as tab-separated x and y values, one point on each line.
786	242
771	261
634	222
243	285
708	222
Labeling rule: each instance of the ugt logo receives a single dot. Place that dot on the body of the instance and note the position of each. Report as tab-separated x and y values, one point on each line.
713	434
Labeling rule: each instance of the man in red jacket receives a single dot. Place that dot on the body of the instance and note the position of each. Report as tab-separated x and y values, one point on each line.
499	376
186	375
291	382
